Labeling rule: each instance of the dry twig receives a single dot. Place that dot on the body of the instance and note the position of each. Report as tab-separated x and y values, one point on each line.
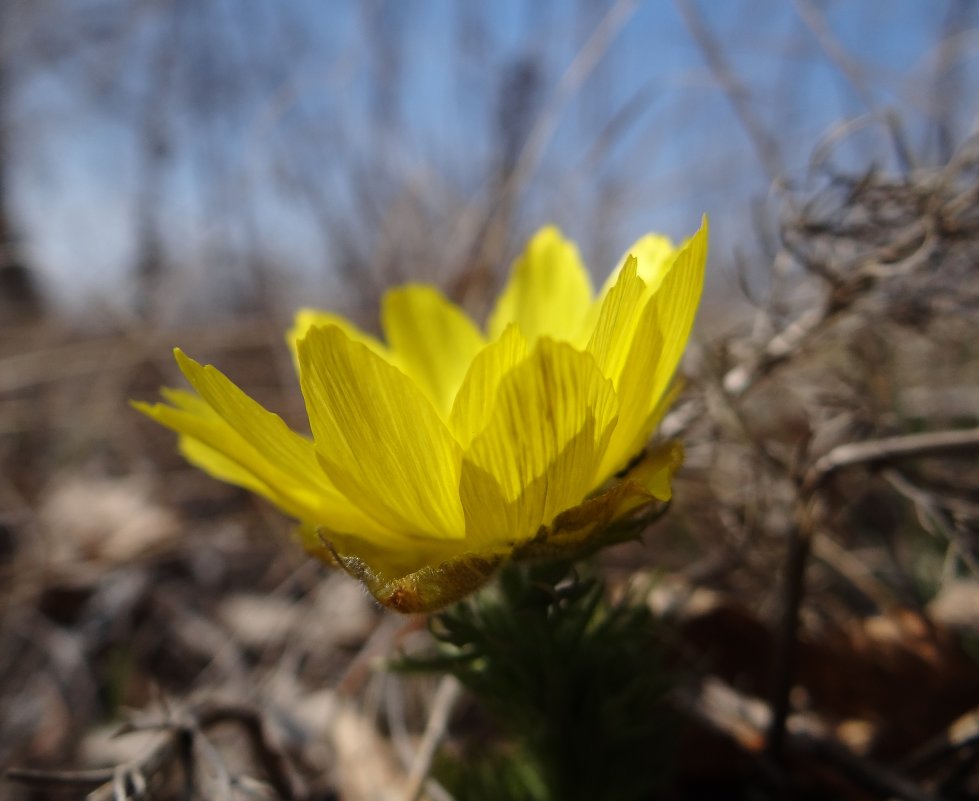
180	729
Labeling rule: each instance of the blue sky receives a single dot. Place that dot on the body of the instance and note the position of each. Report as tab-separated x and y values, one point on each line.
680	153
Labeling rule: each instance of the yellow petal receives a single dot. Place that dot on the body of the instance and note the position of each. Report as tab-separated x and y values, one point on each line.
677	299
615	327
379	438
636	389
306	318
548	293
631	436
219	466
496	523
551	419
433	340
282	447
626	343
654	253
208	442
452	570
199	454
233	438
473	403
653	343
492	520
619	513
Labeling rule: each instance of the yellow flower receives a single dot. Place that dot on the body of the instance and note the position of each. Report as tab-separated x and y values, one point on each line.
445	450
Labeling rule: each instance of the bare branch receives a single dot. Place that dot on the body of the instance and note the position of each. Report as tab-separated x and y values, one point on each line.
891	449
446	697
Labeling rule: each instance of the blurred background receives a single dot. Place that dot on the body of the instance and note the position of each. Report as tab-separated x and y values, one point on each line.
183	161
188	172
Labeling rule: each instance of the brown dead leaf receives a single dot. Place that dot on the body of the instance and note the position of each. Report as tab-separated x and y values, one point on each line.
258	621
367	769
104	520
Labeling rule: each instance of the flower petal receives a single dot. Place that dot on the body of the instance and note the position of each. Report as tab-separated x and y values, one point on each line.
290	454
473	405
615	515
677	299
654	254
445	576
626	343
219	466
307	318
551	420
231	427
379	438
433	340
636	384
497	524
653	340
615	326
548	292
208	442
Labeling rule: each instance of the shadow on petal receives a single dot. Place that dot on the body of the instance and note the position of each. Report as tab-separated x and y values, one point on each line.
615	515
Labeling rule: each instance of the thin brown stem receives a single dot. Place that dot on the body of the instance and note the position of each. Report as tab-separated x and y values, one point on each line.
891	449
